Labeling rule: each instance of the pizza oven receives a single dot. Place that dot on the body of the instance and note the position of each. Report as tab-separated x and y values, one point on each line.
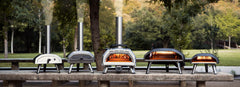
164	56
206	59
117	55
77	57
47	58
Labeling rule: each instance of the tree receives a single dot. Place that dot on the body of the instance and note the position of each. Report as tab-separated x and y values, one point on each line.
147	24
95	32
228	20
205	29
22	16
5	10
67	20
178	19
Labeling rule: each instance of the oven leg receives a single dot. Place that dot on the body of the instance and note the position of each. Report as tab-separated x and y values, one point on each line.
90	67
167	67
132	69
194	68
78	64
214	69
179	68
148	67
39	66
70	68
44	67
206	68
57	68
105	70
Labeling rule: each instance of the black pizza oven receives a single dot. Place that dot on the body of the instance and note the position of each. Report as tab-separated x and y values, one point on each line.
47	58
164	56
80	56
119	56
206	59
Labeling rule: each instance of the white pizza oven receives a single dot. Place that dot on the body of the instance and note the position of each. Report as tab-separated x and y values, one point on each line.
119	56
47	58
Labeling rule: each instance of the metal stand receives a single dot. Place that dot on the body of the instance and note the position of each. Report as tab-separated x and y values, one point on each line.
44	67
214	69
71	66
179	68
194	68
39	66
206	68
167	67
148	67
105	70
57	68
132	69
90	68
78	65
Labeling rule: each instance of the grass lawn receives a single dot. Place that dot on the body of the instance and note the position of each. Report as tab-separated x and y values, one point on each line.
227	57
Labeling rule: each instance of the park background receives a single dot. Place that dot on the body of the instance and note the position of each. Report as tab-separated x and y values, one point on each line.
208	26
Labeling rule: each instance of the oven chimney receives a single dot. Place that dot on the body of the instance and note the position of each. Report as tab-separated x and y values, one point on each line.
119	31
48	39
80	36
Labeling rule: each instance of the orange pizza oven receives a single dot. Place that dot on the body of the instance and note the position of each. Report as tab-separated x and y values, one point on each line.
206	59
164	56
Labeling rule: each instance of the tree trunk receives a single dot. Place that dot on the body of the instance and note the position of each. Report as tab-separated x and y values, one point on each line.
64	48
5	36
95	32
12	37
40	34
211	44
229	42
40	41
166	42
224	44
5	43
75	39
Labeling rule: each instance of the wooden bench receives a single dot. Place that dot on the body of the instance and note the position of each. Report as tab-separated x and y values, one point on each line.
17	77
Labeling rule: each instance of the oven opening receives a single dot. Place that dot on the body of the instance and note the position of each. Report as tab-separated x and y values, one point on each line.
164	55
204	59
119	58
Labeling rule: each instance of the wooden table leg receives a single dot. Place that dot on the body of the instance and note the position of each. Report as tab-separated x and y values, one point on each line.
82	83
201	84
130	83
13	83
182	84
103	83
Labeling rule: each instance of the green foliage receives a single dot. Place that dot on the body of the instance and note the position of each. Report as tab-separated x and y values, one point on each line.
145	30
67	20
228	23
107	23
205	29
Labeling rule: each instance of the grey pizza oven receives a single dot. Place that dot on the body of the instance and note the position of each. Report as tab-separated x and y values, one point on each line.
80	56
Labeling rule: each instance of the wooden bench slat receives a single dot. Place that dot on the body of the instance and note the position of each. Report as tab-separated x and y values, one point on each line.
139	76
